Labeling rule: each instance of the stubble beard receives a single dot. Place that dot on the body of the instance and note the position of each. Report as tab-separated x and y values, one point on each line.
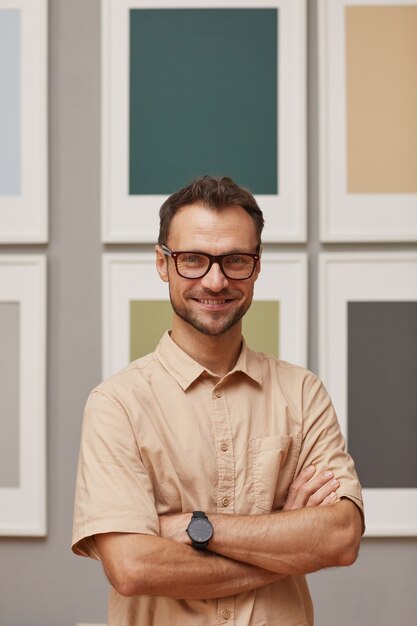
211	330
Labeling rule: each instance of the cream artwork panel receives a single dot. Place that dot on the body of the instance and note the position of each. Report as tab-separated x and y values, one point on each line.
129	280
23	498
368	129
215	125
353	287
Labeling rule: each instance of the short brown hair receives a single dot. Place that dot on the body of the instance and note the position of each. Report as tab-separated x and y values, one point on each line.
214	193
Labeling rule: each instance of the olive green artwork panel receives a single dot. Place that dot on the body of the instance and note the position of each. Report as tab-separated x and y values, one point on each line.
261	327
149	319
137	311
192	88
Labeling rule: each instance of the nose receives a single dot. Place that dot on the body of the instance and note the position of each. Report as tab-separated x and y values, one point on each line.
214	280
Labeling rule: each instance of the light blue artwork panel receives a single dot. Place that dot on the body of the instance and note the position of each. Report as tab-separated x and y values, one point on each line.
10	110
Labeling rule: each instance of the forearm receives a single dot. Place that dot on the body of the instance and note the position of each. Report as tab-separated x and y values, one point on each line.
147	565
293	542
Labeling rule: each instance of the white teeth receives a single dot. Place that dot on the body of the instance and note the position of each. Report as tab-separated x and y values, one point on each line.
213	301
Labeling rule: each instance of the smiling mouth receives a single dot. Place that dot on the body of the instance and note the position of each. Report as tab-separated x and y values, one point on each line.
214	299
206	301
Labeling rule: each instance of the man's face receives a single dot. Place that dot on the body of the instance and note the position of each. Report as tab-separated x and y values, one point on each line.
212	304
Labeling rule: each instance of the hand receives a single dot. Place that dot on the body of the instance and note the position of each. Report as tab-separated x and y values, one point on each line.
312	489
174	527
308	489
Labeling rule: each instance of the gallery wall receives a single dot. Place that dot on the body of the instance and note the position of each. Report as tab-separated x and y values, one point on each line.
41	581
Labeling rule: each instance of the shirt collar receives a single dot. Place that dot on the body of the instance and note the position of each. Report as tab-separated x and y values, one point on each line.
249	363
185	370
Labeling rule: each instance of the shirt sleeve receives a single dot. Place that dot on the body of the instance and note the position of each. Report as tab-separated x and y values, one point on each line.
323	443
113	490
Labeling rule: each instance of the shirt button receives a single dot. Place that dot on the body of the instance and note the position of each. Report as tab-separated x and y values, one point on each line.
226	614
224	446
218	394
225	502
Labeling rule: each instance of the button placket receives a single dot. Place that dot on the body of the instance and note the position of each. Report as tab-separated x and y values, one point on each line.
225	452
226	611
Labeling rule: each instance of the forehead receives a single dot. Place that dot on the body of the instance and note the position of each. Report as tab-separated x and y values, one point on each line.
198	227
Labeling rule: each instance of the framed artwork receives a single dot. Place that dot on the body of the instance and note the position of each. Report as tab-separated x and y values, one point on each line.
137	311
368	360
368	134
192	88
23	121
22	416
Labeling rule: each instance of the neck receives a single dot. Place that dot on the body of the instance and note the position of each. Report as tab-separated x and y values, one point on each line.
218	353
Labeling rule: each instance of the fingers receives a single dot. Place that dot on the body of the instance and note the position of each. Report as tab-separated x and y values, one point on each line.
293	497
323	492
312	488
331	499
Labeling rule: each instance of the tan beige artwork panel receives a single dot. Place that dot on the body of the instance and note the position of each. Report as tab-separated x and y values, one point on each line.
381	64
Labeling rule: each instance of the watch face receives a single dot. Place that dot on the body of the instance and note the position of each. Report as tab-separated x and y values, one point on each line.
200	529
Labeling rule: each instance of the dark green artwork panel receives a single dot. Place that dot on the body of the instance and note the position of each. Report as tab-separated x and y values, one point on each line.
149	319
382	393
203	97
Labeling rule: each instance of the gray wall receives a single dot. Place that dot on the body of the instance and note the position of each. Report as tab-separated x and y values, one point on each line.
41	582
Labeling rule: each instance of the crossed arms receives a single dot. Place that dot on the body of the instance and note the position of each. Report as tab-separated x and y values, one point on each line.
313	531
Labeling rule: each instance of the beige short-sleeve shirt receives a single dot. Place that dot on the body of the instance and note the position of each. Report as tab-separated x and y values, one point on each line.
166	436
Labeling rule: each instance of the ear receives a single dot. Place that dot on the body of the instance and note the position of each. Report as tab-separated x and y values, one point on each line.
258	265
161	262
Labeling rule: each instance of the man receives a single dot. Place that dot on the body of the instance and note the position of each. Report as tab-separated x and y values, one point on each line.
212	477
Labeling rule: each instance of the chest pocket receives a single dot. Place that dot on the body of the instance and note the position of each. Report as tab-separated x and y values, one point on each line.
273	461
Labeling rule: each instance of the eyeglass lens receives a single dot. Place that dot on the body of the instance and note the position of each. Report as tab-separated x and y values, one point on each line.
235	266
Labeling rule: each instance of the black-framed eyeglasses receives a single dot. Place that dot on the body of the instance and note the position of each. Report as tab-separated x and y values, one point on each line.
193	265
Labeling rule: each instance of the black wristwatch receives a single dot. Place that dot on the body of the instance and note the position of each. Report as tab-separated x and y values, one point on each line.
200	530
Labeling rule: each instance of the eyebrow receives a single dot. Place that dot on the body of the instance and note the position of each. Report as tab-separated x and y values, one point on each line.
233	251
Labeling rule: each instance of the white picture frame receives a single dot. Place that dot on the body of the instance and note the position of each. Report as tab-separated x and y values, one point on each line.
350	217
128	277
347	277
24	217
285	212
23	281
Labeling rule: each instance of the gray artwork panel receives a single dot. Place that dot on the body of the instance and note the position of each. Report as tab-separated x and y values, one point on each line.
9	102
382	392
9	405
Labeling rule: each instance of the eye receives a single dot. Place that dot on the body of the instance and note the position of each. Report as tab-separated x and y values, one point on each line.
192	259
238	260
